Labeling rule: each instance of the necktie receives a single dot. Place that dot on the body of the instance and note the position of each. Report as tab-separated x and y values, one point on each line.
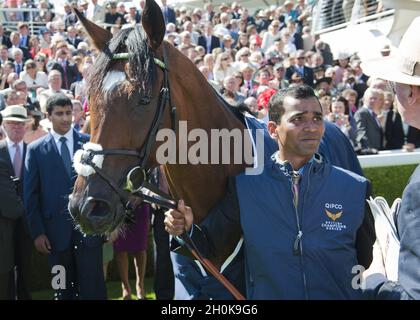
65	155
375	117
17	161
64	66
18	68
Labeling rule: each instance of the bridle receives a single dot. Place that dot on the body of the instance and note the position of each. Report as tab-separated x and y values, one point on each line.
145	188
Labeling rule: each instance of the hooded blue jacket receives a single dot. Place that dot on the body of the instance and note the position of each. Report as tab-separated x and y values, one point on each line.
307	251
302	252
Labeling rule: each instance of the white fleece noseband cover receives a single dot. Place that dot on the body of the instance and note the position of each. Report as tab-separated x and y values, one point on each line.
85	169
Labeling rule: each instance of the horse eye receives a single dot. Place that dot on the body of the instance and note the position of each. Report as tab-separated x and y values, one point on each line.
145	100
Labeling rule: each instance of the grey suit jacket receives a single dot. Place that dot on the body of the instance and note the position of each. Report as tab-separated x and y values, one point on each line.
369	134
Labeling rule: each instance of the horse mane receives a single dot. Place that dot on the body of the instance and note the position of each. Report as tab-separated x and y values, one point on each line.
142	69
238	110
141	60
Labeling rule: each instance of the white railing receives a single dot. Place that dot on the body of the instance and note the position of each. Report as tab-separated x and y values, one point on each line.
30	13
389	158
327	16
374	17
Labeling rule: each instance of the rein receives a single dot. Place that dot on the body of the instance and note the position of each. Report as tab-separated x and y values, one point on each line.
146	191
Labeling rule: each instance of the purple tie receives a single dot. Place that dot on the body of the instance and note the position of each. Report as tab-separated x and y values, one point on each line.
17	161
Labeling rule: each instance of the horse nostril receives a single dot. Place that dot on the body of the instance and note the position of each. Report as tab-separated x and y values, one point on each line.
100	209
96	209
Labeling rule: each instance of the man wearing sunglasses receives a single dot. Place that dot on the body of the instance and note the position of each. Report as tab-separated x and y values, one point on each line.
299	67
403	73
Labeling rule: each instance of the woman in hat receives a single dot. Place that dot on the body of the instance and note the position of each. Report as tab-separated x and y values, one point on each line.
342	63
33	130
33	78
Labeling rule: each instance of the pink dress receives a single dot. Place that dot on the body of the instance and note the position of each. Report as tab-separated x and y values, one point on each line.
134	238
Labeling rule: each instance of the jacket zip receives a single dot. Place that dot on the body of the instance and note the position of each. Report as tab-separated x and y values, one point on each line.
305	285
297	249
297	245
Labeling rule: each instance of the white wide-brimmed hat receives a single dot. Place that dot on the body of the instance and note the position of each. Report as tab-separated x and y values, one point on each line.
15	113
402	66
342	55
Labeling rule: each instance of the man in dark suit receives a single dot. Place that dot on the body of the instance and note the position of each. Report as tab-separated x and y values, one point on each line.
369	131
11	208
397	134
68	70
4	40
12	153
15	40
305	72
4	54
72	37
405	79
208	41
168	13
25	39
49	178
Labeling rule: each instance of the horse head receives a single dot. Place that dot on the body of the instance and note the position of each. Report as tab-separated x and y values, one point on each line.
137	80
124	96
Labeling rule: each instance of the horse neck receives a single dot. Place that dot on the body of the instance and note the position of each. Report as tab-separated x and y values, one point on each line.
201	186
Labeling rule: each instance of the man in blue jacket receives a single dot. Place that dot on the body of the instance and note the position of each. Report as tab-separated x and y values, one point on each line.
49	179
303	220
403	72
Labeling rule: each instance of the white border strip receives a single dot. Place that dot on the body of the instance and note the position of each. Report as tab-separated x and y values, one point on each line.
390	158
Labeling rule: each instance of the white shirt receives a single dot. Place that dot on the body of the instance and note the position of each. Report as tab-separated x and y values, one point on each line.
69	141
41	79
12	149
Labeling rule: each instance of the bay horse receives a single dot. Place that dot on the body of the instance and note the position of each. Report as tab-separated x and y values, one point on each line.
124	91
140	84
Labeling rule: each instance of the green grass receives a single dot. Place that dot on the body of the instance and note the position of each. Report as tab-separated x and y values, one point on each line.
113	290
389	182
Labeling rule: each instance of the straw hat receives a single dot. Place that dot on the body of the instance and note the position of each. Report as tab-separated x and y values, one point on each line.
404	65
15	113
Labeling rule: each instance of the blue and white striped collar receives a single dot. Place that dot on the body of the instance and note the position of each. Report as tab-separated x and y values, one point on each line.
286	167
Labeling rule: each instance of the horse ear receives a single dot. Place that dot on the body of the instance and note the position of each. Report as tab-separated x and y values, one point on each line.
153	23
99	36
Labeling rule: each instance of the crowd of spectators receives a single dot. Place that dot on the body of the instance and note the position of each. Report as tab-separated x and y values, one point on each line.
241	53
246	56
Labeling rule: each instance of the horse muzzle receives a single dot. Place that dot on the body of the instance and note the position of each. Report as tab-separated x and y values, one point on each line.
96	215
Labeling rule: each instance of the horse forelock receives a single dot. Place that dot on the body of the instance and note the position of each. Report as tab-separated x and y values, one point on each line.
109	74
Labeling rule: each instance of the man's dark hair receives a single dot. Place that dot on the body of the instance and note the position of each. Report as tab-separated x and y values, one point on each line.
275	105
59	100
